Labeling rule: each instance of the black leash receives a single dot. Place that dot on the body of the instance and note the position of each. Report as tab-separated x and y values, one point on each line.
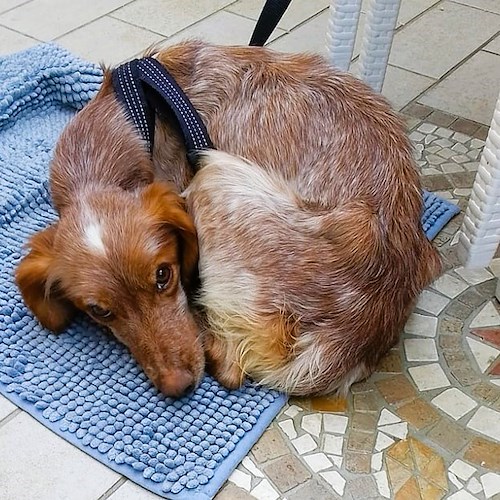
269	18
145	87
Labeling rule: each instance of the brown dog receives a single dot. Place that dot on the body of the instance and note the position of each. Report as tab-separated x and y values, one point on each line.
311	253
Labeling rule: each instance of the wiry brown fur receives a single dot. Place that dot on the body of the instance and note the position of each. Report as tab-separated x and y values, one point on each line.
311	251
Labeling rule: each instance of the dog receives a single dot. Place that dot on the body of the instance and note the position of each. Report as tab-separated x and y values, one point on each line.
302	230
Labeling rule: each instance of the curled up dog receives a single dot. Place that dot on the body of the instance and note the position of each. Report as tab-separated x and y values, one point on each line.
303	229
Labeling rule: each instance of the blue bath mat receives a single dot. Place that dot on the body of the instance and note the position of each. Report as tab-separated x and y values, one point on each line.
83	384
437	213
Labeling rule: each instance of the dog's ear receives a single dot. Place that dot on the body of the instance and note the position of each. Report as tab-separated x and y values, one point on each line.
34	277
169	209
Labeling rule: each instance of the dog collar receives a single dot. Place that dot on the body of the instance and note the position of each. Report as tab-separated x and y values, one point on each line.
144	87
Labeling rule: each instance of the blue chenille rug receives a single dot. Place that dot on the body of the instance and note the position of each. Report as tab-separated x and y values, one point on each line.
83	384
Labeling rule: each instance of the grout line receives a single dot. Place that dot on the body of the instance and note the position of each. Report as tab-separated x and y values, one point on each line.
21	33
10	417
113	488
454	68
474	7
207	16
13	8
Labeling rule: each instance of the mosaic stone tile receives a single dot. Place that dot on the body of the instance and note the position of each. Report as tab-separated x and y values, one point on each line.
459	310
331	404
288	428
383	441
432	302
312	423
487	422
487	316
287	472
474	276
441	118
491	484
449	435
251	467
450	325
377	461
390	363
336	481
336	424
304	444
491	335
484	453
231	492
418	413
449	285
454	402
398	431
362	487
318	462
396	389
365	422
387	417
474	486
358	463
241	479
333	444
454	480
361	442
461	495
472	298
486	392
366	402
462	469
427	377
424	326
382	484
484	354
312	490
420	350
270	445
292	410
265	491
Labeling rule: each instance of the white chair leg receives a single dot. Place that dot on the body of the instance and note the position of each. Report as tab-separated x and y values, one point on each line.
377	41
342	27
480	231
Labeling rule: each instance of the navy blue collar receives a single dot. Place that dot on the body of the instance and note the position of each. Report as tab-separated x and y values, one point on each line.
144	87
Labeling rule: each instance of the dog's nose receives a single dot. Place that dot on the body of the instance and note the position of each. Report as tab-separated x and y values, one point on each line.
176	383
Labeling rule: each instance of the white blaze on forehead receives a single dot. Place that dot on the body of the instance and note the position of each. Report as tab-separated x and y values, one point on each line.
93	231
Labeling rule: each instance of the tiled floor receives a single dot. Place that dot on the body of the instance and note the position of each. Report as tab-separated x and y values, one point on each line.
427	424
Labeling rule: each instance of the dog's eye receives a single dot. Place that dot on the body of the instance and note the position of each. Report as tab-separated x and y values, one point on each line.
99	312
163	274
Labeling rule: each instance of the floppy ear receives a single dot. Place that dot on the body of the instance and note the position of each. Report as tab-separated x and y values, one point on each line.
33	277
168	207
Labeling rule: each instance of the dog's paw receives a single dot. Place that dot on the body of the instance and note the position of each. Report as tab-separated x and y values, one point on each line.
221	362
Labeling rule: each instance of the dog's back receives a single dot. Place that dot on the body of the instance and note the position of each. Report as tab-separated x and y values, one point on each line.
312	257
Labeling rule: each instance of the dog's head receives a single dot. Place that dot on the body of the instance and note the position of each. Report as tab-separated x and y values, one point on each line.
125	258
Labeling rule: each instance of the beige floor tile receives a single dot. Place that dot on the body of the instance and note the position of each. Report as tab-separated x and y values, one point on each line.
401	86
11	41
494	45
223	28
309	37
6	407
297	12
35	463
410	9
10	4
426	46
108	40
471	91
168	17
489	5
49	19
132	491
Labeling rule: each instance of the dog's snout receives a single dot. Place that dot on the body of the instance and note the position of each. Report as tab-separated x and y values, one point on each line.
176	383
